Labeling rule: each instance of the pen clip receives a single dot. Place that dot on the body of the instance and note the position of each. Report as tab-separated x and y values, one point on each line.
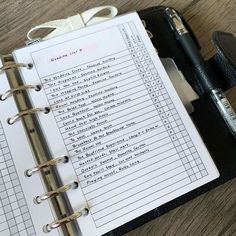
175	21
169	13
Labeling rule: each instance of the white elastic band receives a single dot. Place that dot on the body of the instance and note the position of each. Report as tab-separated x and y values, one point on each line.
74	22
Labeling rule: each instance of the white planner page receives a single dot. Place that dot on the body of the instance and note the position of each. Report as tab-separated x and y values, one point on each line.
18	214
114	112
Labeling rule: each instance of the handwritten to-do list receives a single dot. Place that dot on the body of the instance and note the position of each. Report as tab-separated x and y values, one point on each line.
117	119
127	140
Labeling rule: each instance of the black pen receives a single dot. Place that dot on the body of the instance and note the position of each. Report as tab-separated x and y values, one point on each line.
204	73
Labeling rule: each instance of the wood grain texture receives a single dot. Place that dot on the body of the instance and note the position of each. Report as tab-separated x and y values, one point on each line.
213	213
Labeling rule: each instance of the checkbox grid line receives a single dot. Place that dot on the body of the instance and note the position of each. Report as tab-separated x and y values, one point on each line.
15	218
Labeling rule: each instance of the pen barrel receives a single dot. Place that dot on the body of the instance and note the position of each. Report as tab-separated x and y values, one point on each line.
191	49
225	108
205	80
203	72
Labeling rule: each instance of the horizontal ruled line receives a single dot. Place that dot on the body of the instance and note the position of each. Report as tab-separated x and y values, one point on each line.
81	77
97	89
122	157
129	153
139	177
112	147
101	112
84	187
119	137
155	177
145	204
147	195
109	122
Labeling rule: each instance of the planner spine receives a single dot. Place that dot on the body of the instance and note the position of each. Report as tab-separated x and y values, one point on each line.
45	165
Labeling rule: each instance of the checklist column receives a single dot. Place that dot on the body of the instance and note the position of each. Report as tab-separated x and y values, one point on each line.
173	124
164	106
14	214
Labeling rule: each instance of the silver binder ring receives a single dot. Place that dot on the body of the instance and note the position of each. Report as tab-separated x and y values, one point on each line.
7	94
52	162
15	65
58	223
54	193
16	117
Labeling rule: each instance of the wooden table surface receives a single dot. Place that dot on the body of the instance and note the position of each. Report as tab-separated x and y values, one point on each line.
213	213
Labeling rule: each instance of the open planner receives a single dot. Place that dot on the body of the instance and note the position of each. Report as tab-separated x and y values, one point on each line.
95	134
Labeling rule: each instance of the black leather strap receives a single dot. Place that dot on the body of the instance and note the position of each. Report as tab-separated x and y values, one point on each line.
225	58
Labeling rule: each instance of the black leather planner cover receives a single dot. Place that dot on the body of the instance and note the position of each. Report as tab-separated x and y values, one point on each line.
206	117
